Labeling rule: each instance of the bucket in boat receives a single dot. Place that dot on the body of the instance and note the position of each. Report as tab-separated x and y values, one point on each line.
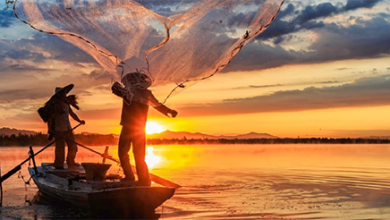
95	171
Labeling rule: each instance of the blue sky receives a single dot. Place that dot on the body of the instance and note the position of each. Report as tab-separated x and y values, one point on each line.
318	61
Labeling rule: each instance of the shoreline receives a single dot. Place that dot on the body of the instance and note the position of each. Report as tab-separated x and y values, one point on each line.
220	141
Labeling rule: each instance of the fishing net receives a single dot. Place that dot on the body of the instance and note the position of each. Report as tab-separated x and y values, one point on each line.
172	41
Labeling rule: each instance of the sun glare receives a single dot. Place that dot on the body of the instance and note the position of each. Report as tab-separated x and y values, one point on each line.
151	159
152	127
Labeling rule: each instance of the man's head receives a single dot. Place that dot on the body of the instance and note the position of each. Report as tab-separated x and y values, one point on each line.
137	79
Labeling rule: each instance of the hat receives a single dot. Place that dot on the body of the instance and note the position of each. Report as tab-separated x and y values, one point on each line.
66	89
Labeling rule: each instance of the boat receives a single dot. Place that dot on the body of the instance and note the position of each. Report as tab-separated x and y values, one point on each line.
87	186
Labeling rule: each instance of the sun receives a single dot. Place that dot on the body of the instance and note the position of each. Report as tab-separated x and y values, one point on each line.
152	127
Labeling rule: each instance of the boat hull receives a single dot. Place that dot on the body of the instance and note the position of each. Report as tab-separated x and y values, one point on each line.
105	198
143	196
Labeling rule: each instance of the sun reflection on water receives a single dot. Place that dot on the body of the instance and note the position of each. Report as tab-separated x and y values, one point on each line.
151	159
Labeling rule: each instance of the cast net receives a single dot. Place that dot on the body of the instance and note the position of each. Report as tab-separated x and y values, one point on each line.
175	42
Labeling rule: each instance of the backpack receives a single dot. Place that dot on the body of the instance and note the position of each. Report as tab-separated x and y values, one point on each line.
45	113
48	110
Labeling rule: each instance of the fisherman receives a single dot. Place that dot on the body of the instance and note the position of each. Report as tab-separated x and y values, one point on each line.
59	125
136	100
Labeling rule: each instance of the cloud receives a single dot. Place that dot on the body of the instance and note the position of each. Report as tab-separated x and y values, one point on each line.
32	118
319	11
355	4
365	39
305	18
23	54
6	18
99	114
17	94
370	91
33	67
257	55
280	87
27	86
328	82
264	86
288	84
40	47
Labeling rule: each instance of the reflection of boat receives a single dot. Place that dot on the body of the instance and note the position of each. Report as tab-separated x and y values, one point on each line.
106	197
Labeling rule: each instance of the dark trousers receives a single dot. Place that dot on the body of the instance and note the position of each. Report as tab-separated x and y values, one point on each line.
135	137
62	137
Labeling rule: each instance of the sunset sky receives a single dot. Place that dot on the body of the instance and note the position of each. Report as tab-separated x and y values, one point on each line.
322	69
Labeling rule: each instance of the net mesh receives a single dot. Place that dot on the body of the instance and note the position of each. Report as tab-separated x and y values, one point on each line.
172	41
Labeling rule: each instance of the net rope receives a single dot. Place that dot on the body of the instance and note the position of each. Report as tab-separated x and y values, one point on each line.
173	42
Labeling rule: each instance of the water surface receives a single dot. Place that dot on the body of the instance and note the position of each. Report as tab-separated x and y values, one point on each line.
238	182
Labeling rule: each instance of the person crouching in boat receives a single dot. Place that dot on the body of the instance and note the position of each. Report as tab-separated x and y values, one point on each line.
59	125
136	100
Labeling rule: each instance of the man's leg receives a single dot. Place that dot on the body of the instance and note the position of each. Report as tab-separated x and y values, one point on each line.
59	152
123	152
72	148
139	144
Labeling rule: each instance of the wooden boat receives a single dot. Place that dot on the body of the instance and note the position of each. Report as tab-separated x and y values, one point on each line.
107	197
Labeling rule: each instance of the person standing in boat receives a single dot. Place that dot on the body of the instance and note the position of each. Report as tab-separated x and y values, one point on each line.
59	125
136	101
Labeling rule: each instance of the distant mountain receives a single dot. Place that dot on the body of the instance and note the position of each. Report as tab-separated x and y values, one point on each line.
251	135
188	135
163	135
181	134
10	131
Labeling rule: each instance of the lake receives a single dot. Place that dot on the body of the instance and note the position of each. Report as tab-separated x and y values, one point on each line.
286	181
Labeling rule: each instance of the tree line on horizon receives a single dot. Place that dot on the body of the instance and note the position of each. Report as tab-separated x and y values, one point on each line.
41	139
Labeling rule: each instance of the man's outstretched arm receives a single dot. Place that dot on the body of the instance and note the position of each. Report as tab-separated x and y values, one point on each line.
75	117
146	97
166	111
161	107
